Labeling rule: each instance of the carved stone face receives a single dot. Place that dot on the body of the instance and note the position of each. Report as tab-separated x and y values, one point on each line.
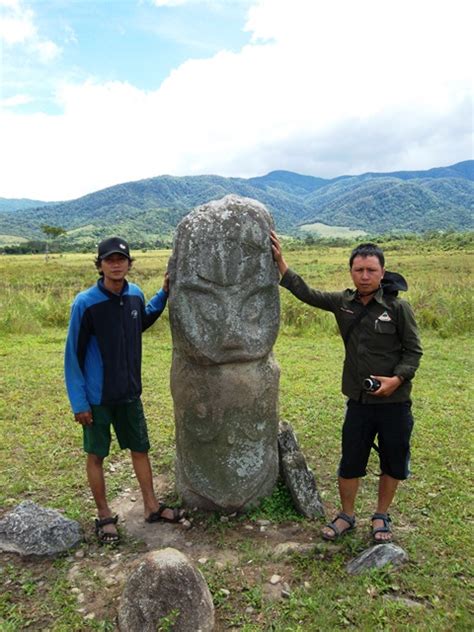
224	299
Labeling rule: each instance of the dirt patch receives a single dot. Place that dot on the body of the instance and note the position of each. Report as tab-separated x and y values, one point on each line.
238	557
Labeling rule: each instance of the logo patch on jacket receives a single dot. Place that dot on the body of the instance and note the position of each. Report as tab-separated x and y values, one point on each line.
134	313
384	317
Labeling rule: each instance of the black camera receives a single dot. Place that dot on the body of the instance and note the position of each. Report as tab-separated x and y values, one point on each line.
370	384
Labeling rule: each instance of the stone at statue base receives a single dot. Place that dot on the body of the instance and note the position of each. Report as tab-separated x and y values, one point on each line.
298	477
166	592
34	530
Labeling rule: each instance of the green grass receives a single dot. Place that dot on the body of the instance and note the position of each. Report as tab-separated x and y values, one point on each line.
42	459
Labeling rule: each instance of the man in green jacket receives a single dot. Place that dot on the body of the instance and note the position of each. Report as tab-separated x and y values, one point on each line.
383	352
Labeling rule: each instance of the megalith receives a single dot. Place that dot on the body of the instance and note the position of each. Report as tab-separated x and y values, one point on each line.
224	314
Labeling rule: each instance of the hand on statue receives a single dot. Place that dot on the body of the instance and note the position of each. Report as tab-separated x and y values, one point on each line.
388	385
166	282
277	253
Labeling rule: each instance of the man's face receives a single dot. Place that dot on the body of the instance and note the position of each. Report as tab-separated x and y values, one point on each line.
367	273
115	267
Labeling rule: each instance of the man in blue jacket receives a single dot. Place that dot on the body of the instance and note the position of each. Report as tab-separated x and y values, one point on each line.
103	377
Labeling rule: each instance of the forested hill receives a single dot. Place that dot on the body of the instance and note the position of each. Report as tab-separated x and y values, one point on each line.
147	211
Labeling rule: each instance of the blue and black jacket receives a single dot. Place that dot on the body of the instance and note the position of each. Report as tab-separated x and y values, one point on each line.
103	354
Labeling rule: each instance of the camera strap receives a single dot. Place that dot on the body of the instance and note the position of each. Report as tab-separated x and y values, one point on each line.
362	314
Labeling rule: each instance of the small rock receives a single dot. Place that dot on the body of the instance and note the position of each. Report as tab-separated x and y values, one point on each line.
287	548
186	524
249	610
307	585
133	499
225	592
263	529
275	579
285	590
377	556
264	523
110	580
202	560
80	554
409	603
75	590
224	518
89	616
249	527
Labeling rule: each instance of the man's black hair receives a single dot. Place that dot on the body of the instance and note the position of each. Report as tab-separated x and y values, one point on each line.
367	250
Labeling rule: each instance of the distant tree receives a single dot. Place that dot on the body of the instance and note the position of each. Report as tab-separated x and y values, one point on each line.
53	232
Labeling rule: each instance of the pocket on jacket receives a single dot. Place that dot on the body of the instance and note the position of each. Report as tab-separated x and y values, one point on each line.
383	327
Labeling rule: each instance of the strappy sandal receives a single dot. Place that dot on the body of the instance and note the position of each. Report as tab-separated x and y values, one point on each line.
157	516
337	532
385	529
106	537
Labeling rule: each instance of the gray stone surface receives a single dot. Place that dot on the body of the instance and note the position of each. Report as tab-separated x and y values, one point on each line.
377	556
298	477
224	314
166	589
34	530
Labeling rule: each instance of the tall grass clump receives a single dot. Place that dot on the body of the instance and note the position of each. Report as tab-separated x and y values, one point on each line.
36	294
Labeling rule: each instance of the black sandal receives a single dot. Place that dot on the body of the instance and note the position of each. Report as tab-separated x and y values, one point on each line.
157	516
385	529
337	533
105	537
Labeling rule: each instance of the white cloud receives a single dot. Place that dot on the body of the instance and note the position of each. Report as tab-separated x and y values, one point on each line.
12	102
17	28
324	88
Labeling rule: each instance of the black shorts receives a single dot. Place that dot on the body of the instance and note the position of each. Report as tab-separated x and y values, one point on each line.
391	424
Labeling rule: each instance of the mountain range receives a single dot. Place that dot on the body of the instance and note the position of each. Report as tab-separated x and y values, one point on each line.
147	211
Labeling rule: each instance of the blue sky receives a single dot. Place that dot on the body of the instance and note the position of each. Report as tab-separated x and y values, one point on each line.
94	93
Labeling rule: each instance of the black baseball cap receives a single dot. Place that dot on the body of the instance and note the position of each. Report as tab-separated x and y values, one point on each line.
113	245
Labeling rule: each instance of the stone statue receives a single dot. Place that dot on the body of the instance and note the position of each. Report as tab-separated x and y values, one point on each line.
224	312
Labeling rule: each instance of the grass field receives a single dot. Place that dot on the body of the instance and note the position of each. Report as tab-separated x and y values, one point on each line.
42	459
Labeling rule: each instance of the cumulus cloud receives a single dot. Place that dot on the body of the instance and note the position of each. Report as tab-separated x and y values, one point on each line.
17	27
322	88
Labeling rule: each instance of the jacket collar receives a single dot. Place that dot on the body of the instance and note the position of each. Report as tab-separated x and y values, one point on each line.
378	296
102	288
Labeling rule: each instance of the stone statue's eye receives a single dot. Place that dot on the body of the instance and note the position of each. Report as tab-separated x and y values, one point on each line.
253	307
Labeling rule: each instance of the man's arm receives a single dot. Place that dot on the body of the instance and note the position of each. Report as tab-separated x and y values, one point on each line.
74	377
155	307
297	286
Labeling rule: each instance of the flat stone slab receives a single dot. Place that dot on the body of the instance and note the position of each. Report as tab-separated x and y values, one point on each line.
34	530
298	477
377	556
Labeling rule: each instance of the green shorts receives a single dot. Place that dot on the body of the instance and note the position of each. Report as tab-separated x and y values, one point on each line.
129	424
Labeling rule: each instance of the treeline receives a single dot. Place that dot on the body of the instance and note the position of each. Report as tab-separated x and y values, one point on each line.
433	239
38	246
442	240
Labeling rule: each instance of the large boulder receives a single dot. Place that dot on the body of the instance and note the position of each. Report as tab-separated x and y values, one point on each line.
224	315
34	530
166	590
